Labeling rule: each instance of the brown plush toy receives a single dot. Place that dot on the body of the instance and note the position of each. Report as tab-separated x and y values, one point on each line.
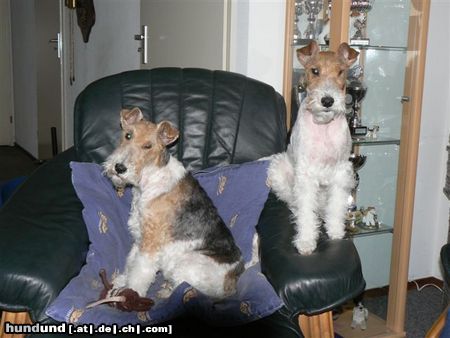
123	299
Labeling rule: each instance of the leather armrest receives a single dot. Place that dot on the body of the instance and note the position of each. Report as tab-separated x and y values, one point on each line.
445	260
43	239
312	284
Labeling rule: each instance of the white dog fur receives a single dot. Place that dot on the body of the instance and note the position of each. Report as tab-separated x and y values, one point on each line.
314	176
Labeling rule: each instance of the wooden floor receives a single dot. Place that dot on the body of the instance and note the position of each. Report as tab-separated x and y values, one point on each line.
376	327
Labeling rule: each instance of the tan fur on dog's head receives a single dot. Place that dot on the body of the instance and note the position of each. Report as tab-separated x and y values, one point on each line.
326	74
330	65
142	144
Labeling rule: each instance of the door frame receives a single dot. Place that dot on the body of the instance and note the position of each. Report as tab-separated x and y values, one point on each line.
64	30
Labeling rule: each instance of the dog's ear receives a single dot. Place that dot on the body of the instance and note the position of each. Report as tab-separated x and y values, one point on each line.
167	132
129	117
306	53
346	54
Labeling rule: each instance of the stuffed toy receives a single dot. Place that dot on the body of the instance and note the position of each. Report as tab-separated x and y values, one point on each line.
360	316
123	299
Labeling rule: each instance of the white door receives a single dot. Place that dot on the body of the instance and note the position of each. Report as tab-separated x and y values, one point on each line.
48	77
6	98
36	74
111	49
182	33
185	33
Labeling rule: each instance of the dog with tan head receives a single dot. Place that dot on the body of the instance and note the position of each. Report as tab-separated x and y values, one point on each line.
314	176
175	227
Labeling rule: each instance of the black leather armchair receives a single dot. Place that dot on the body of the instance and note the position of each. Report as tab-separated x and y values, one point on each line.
223	118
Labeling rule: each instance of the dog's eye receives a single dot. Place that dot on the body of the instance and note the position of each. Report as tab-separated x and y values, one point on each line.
341	72
128	136
315	71
147	146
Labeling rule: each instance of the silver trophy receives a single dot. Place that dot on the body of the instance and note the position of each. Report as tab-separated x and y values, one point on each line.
360	8
312	9
356	91
365	218
358	162
297	13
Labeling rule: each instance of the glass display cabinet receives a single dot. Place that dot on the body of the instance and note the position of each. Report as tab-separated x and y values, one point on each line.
384	98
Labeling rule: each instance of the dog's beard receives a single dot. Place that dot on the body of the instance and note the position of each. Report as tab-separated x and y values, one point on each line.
323	117
321	114
119	180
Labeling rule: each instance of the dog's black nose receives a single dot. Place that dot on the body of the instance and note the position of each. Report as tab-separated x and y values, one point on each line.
327	101
120	168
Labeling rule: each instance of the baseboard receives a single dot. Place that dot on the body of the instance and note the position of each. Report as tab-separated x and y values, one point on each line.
383	291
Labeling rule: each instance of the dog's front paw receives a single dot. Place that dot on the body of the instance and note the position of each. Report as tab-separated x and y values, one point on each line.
305	247
119	281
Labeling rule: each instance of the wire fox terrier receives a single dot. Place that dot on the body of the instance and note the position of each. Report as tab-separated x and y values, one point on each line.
174	225
314	176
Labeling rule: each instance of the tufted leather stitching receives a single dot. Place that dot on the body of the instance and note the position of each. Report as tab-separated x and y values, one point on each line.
224	117
238	124
152	100
180	116
223	144
209	121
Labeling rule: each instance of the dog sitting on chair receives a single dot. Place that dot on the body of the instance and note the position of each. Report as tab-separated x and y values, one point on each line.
174	225
314	176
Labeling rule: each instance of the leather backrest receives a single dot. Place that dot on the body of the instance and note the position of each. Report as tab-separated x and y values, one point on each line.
223	117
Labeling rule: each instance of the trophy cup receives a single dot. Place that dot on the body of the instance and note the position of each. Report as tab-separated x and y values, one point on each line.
360	8
312	9
356	91
353	219
298	11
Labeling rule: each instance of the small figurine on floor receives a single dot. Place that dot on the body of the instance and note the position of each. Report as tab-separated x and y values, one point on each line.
360	316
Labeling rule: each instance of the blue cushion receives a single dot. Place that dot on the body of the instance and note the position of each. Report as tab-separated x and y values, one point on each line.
239	193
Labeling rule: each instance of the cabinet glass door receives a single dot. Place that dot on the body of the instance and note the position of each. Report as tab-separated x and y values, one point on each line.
379	31
391	37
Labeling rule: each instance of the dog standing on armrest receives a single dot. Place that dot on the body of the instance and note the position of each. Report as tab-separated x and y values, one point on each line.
314	176
174	225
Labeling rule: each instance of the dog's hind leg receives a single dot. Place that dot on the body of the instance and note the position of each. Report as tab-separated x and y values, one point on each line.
200	271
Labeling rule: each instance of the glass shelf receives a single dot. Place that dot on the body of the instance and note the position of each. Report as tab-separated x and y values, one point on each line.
387	48
360	231
304	42
380	140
